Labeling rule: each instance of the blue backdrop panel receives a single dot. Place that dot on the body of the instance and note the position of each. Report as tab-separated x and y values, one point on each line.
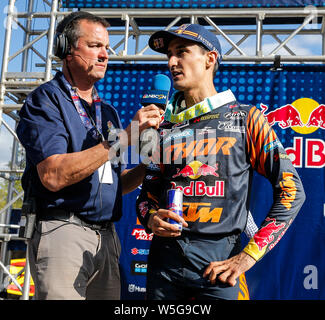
187	3
292	100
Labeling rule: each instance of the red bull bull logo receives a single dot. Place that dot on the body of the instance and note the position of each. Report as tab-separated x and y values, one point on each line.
286	116
196	169
265	235
317	118
187	171
304	115
206	170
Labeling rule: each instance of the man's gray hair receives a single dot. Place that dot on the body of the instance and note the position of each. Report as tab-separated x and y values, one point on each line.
71	29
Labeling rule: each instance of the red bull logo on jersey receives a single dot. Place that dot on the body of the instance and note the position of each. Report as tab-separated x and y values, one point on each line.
265	235
200	189
264	239
196	169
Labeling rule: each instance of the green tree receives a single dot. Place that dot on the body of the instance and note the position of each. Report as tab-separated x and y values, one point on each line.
15	177
4	183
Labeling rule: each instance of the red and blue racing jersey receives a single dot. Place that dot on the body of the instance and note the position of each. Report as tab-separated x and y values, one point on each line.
211	158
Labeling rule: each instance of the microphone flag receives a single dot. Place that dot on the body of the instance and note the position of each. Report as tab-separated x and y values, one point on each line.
159	92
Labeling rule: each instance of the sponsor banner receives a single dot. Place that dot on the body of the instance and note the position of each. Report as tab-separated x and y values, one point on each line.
139	268
141	234
141	252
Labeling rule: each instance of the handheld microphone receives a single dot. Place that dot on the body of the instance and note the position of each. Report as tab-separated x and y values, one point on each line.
158	94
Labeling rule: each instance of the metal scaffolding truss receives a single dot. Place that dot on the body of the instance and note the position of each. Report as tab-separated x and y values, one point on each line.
242	33
252	35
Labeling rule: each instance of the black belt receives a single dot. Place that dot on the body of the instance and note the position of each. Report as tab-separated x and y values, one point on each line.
72	217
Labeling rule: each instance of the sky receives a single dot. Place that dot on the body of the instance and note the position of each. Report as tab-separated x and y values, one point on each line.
300	45
6	138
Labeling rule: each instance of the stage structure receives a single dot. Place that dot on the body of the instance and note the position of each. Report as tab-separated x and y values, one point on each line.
243	28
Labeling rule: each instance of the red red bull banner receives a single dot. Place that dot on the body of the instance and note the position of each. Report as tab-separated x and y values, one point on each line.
293	101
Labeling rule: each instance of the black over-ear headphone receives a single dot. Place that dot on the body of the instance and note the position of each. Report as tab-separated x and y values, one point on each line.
61	45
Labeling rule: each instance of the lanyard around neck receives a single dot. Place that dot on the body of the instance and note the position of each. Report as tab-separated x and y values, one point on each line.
95	129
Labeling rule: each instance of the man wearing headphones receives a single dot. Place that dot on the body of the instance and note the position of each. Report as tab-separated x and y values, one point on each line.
74	170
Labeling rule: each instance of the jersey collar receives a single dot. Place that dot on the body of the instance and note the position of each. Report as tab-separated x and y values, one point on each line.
203	107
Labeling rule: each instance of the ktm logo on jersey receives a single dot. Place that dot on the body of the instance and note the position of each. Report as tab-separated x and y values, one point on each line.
201	211
195	148
288	187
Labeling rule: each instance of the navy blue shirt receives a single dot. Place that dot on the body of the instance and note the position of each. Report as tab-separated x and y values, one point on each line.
50	124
